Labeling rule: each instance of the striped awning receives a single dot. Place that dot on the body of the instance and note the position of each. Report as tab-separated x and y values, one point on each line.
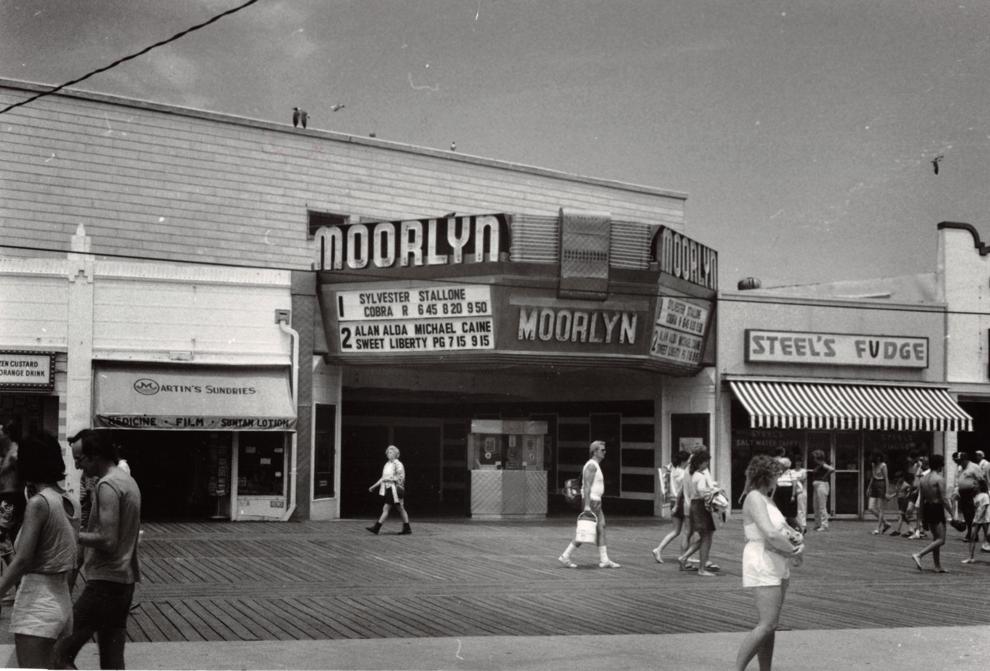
817	405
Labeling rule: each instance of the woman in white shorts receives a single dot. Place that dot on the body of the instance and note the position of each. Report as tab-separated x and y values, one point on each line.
771	545
44	554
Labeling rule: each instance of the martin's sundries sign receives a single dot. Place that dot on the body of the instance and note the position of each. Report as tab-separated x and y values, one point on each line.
194	398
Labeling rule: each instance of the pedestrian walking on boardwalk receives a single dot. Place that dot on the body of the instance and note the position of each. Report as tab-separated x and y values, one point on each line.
592	489
968	478
44	554
801	492
785	493
11	486
698	485
676	497
392	485
110	566
934	509
879	489
821	482
981	520
771	546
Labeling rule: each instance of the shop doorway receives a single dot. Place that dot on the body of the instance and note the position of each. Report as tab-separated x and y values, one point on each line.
363	455
183	475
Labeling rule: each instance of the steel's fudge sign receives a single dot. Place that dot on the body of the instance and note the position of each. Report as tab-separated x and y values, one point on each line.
836	349
412	243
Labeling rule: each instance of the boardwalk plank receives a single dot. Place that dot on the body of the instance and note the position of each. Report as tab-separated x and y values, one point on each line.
461	577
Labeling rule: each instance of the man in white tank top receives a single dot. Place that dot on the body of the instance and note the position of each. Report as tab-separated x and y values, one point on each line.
592	488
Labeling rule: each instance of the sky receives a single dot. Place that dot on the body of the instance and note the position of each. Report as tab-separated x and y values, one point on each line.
802	131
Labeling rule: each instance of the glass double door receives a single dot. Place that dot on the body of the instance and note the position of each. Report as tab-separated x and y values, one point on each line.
843	450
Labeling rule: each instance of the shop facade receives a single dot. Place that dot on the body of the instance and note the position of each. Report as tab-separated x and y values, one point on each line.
199	262
804	369
198	402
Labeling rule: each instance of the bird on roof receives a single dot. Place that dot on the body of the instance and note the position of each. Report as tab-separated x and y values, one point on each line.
453	146
935	162
299	116
337	107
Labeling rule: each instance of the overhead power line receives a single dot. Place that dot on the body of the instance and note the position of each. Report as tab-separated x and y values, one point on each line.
130	57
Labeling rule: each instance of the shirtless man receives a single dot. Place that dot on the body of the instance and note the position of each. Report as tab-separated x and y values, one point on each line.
934	510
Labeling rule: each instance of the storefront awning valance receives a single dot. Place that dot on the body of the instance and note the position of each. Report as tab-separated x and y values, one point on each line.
811	405
200	398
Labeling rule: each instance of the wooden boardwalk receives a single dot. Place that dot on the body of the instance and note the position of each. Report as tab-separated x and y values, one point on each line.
334	580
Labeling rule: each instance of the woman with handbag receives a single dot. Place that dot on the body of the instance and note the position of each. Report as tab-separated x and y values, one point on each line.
698	484
771	547
392	485
675	494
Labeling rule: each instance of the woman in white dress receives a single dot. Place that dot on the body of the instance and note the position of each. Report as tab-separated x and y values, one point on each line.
771	546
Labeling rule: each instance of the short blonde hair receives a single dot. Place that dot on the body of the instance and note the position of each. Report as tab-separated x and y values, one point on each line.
595	444
392	448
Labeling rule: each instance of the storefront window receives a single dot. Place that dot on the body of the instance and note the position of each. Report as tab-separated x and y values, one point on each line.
261	467
324	451
747	443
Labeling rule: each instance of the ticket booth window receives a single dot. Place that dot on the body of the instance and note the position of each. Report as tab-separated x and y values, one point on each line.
261	464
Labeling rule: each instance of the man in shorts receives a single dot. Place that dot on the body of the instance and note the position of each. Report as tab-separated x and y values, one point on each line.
933	511
110	565
593	488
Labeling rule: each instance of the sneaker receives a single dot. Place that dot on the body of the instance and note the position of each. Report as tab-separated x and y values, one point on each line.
608	563
566	562
875	532
985	547
968	561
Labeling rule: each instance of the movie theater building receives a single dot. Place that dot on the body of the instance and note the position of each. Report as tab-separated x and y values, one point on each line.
846	367
254	312
498	346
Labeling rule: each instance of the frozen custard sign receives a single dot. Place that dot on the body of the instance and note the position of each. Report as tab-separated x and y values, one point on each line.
412	243
27	370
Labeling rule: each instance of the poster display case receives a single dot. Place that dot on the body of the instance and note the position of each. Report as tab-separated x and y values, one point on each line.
508	479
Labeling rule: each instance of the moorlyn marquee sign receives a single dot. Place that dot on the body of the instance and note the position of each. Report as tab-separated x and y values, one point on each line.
682	257
412	243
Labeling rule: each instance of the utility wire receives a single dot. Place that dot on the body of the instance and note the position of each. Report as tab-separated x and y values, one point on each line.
344	275
127	58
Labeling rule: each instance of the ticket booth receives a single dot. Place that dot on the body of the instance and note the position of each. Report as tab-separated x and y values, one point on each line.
507	475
